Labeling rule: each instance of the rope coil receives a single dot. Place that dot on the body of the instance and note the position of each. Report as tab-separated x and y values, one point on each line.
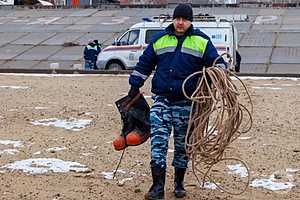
217	118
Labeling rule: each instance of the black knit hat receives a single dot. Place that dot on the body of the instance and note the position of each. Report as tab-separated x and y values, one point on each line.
183	10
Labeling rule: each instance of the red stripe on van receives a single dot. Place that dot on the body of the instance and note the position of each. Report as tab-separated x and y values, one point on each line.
125	48
221	48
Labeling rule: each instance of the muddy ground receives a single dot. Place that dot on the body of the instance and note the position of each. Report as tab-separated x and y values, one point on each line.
272	147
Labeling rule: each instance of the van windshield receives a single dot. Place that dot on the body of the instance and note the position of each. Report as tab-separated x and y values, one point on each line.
150	34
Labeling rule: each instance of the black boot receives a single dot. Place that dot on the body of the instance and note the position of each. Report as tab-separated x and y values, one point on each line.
179	190
157	190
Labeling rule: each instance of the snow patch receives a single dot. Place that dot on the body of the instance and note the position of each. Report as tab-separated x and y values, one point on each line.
45	165
110	175
209	185
9	151
265	78
40	108
13	87
291	170
283	85
69	124
238	169
37	153
90	113
14	143
272	183
87	154
55	149
244	138
267	88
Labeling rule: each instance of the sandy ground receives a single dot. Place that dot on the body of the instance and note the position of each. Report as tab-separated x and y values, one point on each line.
272	147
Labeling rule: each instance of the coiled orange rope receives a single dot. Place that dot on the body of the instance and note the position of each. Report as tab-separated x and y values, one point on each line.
217	118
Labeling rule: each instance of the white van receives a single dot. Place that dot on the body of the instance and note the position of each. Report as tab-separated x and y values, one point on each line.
124	53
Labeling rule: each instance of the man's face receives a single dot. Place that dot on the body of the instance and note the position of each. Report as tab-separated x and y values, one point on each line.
181	25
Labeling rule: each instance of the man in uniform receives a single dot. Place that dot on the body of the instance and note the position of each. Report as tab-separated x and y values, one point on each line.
90	55
177	52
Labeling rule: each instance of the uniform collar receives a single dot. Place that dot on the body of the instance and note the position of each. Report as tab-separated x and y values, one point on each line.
171	30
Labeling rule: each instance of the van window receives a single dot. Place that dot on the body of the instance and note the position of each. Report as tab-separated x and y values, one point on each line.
130	38
150	34
133	37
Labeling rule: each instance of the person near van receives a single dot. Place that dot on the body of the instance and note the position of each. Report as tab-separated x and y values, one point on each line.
177	52
90	54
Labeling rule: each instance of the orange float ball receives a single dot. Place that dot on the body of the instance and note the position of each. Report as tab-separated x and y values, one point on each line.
119	143
134	138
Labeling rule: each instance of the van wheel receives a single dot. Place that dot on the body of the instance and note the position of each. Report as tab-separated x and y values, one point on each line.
114	67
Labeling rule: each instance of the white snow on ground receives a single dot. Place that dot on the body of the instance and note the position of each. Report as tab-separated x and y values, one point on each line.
86	154
14	143
55	149
40	108
122	182
274	184
270	184
282	85
238	169
267	88
90	113
10	151
244	138
109	175
265	78
44	165
209	185
291	170
37	153
69	124
13	87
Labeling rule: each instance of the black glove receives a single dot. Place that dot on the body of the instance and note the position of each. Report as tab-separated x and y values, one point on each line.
133	92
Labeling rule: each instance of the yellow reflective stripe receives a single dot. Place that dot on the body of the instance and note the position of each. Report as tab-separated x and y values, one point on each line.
194	45
90	47
166	43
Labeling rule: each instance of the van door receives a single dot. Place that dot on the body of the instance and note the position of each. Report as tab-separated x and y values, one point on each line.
145	38
129	47
222	38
